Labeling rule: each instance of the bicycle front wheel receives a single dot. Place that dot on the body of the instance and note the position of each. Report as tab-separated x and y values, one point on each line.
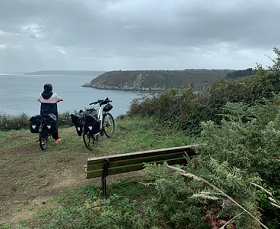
90	141
108	125
43	139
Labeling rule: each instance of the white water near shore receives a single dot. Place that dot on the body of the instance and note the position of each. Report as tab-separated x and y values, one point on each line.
18	94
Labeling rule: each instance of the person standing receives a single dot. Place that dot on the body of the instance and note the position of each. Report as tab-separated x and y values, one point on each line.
49	100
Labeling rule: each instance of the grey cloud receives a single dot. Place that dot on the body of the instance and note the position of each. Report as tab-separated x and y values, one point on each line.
139	34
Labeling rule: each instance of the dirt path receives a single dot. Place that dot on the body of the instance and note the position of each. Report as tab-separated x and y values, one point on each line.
30	177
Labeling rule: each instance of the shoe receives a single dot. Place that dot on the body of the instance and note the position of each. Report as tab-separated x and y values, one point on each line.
43	142
57	140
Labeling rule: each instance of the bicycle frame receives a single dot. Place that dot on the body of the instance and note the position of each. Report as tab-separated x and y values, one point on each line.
101	115
102	103
42	128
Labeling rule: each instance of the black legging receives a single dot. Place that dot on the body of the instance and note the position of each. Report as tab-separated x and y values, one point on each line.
55	134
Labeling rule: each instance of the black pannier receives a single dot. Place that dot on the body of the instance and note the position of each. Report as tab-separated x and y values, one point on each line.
108	107
34	123
92	124
50	123
77	120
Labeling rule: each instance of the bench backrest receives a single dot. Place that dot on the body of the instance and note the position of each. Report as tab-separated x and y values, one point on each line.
122	163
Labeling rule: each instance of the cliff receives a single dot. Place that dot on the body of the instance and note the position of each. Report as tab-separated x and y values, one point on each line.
156	80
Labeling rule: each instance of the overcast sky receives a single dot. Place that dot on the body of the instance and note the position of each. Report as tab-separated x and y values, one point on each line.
137	34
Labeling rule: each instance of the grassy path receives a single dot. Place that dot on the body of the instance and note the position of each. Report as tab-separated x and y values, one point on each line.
31	177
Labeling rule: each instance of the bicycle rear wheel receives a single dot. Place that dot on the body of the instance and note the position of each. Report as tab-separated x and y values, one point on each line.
90	141
108	125
43	140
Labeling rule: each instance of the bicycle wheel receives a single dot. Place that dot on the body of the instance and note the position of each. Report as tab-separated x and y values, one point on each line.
108	125
43	140
90	141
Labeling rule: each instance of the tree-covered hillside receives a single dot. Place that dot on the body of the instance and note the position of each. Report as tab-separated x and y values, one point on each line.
159	80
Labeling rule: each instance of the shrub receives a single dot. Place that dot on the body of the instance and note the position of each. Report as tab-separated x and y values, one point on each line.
65	119
9	122
248	138
16	122
189	203
241	151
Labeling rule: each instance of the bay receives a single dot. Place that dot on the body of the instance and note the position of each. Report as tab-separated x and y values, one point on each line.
19	92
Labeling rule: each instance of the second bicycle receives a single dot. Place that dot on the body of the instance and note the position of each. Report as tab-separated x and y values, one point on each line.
92	122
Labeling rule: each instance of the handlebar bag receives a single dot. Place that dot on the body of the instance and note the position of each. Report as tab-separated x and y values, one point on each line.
34	123
108	107
92	124
77	120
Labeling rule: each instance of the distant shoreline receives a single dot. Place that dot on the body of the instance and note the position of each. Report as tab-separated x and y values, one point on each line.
66	72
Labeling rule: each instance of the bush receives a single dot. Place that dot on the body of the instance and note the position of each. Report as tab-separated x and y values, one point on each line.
216	195
9	122
219	184
16	122
248	138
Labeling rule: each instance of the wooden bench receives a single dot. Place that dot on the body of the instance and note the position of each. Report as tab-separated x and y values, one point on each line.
123	163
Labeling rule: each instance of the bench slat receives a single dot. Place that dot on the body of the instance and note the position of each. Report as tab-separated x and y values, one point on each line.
138	160
94	173
130	168
117	157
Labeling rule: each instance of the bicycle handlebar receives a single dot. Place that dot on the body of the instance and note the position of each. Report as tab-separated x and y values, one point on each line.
101	101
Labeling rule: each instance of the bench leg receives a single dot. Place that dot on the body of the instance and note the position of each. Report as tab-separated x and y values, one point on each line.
103	179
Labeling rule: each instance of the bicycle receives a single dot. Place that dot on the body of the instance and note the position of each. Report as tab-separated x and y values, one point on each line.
44	125
92	123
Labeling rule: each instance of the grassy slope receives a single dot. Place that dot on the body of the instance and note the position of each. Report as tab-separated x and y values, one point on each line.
32	179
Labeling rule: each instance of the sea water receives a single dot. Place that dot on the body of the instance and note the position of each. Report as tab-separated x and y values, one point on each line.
19	93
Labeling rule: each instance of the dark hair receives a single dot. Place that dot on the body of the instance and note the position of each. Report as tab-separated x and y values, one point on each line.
48	87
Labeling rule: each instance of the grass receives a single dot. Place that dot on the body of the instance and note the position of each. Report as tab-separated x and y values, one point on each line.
36	182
